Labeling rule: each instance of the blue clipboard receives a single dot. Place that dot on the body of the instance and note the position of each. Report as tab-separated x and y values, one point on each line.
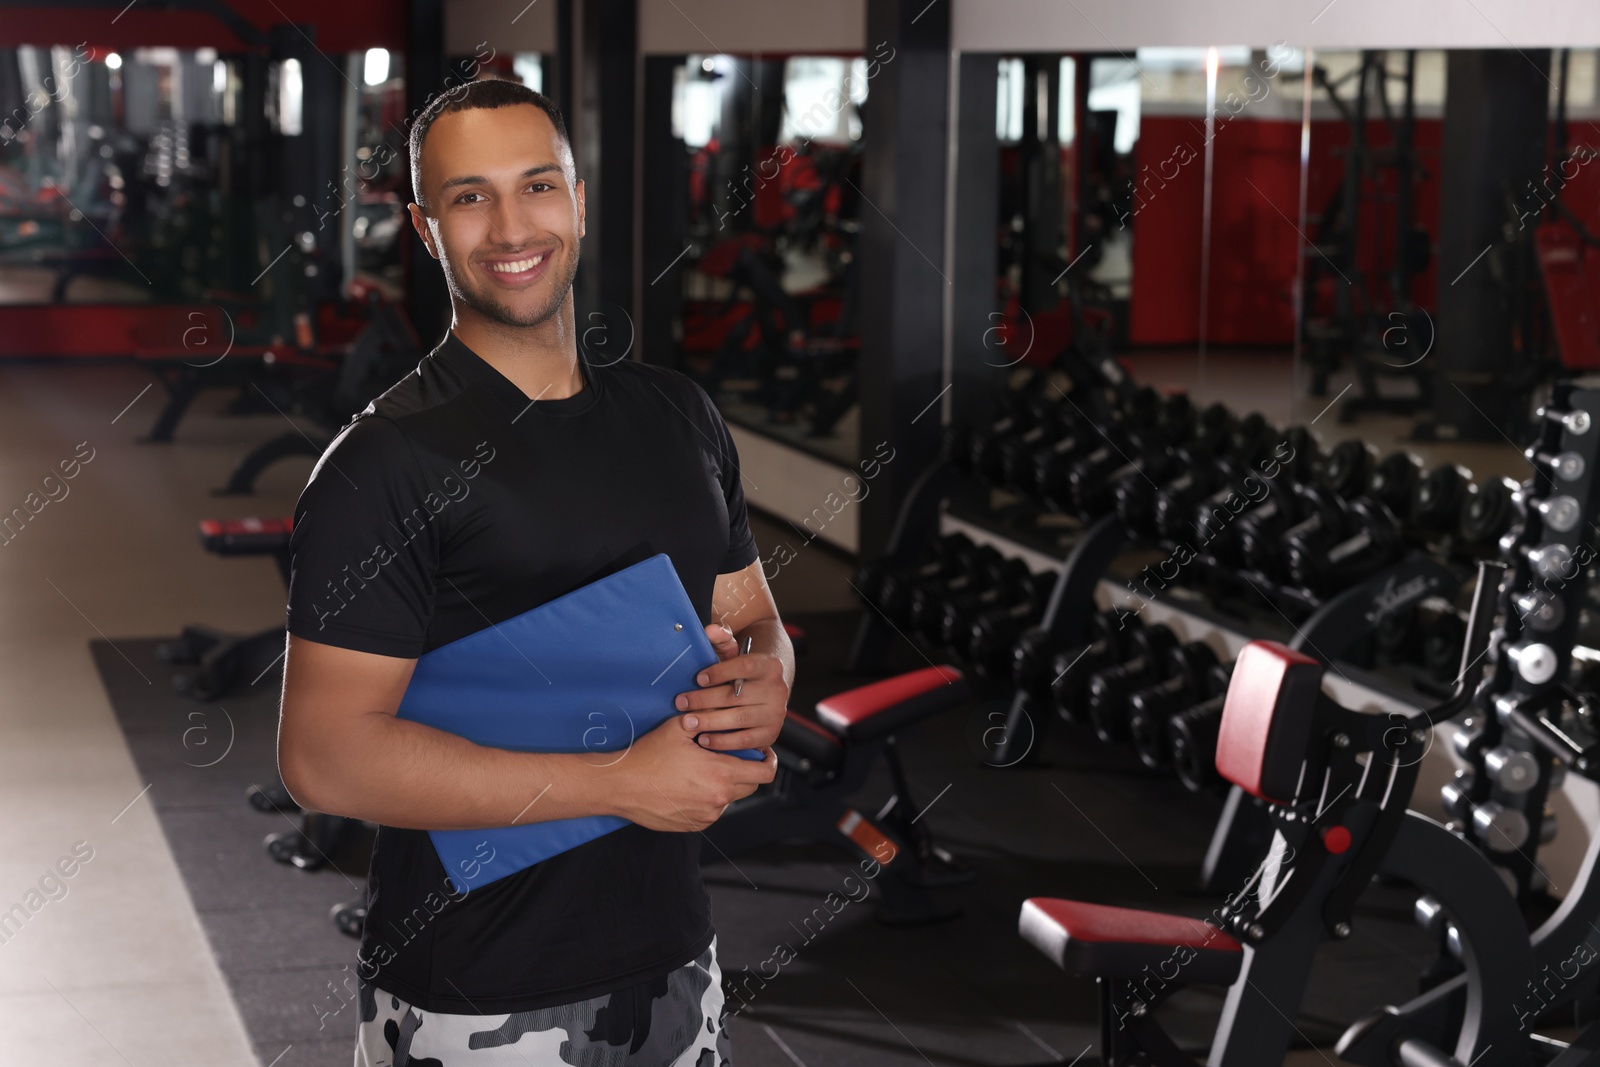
586	672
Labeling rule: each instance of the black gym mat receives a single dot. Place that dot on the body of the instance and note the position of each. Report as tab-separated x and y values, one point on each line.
268	925
1088	822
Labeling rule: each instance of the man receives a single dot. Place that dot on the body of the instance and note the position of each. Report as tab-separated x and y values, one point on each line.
507	469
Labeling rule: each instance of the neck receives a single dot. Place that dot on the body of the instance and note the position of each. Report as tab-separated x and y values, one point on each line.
540	360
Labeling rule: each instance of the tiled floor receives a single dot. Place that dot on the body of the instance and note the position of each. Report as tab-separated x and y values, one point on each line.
116	969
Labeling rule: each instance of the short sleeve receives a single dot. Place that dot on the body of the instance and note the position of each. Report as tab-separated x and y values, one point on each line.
742	549
365	546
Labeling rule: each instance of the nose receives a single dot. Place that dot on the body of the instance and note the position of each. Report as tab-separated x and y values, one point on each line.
511	224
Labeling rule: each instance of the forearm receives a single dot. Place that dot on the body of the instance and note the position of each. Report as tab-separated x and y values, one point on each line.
768	635
400	773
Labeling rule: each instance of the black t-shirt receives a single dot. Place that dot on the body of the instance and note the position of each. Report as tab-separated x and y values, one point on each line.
454	502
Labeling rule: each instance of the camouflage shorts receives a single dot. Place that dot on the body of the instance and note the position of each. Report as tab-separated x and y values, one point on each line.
677	1020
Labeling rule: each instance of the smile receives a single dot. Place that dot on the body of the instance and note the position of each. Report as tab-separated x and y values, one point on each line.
517	267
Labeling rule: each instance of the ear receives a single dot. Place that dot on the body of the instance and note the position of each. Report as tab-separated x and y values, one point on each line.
579	189
419	222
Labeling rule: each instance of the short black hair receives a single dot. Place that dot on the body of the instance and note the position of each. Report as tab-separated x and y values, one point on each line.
484	93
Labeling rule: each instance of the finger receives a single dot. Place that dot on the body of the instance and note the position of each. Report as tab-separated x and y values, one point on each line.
752	716
752	666
734	740
722	718
704	700
695	706
752	771
722	641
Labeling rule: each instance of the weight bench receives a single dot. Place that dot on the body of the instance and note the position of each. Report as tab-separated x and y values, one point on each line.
823	763
219	658
1335	822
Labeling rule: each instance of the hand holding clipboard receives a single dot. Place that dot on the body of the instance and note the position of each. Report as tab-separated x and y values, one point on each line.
593	671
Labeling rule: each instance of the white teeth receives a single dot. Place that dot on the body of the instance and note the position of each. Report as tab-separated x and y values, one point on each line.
519	266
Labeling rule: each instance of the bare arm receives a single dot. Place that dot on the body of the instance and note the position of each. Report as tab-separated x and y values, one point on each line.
341	750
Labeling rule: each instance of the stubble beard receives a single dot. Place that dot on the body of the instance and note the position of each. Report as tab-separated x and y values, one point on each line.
490	307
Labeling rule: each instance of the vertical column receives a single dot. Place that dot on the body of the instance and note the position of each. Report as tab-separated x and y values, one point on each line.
904	283
606	81
310	160
663	216
973	355
427	298
1495	122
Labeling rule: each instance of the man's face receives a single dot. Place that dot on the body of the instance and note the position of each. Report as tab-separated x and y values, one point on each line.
504	216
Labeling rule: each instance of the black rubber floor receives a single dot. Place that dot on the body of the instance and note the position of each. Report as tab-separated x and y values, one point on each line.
1087	823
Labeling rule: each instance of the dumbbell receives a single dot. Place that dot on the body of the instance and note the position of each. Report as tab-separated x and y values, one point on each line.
1552	563
1053	463
1151	659
954	554
988	444
1394	479
1237	522
1307	458
1574	422
1137	447
1072	668
1206	485
991	637
1487	512
937	552
1034	652
1213	425
1373	541
1319	519
1438	499
1192	735
1559	514
1250	431
1180	499
1557	467
1131	452
1061	429
1497	827
1150	708
1140	503
1012	582
1177	419
1254	535
1013	410
1348	467
925	610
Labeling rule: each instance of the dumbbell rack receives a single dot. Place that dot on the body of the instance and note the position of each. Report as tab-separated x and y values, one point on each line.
1327	634
948	502
1531	724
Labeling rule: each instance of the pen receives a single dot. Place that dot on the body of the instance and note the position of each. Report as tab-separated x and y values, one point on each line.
738	683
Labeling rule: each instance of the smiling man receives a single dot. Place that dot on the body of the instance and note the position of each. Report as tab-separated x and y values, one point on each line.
507	469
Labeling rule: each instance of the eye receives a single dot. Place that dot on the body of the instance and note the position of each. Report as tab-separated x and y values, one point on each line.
462	199
541	187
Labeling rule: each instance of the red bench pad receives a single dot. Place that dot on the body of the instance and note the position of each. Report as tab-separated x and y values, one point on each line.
871	711
1105	941
245	537
1266	720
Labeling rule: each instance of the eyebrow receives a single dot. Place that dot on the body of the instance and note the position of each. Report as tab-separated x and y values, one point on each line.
478	179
